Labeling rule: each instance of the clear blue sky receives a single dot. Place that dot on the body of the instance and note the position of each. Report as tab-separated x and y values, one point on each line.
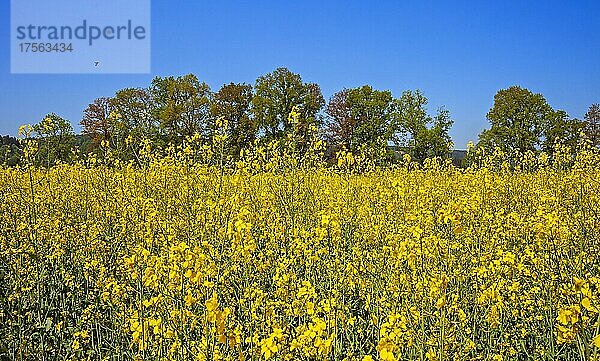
458	53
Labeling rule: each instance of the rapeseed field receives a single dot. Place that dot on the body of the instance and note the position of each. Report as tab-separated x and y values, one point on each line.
173	259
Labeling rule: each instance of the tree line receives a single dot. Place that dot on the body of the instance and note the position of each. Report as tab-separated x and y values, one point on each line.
281	107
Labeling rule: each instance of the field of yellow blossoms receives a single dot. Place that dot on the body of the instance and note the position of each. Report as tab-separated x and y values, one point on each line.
177	260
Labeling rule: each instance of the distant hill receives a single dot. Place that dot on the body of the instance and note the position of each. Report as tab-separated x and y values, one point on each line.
458	157
459	154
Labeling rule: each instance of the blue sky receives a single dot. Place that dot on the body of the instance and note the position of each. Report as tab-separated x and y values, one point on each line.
458	53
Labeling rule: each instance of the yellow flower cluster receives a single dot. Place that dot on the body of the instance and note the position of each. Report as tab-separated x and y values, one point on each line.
174	260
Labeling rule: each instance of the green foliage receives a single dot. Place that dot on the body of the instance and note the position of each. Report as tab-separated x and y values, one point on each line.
361	120
592	124
276	95
182	107
373	114
421	135
366	121
10	151
121	123
134	121
55	141
176	113
232	102
562	130
522	121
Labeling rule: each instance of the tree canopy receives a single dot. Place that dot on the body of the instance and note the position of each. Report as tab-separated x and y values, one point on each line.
277	94
363	120
523	121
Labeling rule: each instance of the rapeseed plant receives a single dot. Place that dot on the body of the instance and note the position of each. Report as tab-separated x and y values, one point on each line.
281	258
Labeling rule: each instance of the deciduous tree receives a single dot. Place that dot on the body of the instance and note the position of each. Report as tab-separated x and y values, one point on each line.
96	121
232	102
592	124
419	134
182	106
361	120
276	95
561	129
518	119
56	140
